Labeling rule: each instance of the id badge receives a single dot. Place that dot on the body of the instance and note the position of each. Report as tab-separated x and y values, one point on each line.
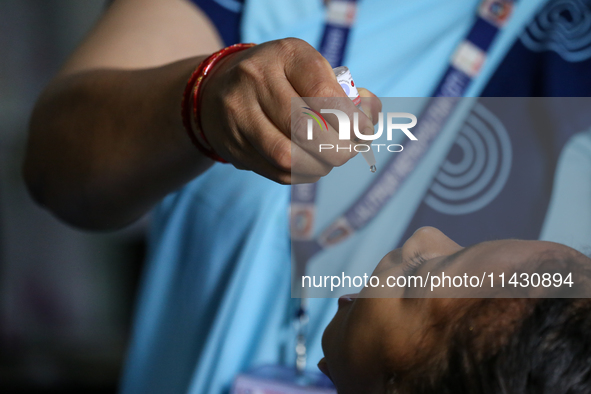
271	379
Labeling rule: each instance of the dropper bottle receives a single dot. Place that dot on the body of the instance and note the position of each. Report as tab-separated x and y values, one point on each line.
345	79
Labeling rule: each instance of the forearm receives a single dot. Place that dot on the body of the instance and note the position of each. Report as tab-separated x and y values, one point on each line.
106	145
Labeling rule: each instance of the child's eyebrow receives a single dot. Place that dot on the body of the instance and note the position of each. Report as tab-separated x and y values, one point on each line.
450	259
444	263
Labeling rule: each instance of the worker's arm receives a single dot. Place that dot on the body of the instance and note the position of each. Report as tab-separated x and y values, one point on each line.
106	137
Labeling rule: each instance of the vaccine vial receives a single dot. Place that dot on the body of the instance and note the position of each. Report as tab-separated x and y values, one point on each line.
345	79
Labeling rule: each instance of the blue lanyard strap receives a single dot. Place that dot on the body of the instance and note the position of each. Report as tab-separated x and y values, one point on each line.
464	67
340	16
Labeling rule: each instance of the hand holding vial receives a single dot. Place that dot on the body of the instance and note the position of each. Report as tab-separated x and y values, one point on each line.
247	111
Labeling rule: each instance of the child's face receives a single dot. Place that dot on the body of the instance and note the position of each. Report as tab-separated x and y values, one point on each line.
370	337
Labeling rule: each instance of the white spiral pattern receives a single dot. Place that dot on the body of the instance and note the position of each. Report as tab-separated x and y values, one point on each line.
472	183
563	26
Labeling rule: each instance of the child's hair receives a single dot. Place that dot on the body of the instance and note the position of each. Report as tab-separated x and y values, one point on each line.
547	351
508	345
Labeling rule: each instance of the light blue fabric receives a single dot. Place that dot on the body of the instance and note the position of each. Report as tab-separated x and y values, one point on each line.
568	220
216	290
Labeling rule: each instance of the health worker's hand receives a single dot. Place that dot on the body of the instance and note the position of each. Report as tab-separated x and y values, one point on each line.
247	109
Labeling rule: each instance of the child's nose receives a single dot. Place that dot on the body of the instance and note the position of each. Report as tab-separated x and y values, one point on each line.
429	243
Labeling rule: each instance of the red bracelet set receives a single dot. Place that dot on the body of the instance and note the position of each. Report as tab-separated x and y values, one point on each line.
192	87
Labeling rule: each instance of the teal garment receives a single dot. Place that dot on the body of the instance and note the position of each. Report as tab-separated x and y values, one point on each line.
215	294
568	220
218	272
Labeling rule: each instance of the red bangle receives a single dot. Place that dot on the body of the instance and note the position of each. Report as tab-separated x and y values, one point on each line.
193	85
186	112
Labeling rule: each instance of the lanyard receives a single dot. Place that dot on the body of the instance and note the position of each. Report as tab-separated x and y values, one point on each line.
464	67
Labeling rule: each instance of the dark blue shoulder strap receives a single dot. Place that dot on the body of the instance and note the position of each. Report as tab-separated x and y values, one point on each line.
225	15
